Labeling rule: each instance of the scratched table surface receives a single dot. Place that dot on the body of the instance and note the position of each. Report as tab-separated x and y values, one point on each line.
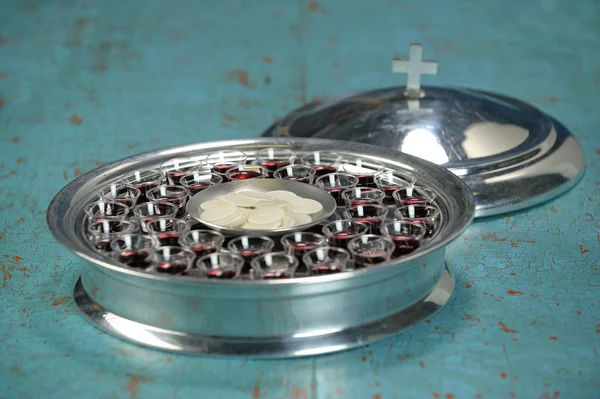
87	82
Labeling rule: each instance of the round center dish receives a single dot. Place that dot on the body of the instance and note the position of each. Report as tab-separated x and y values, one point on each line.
241	187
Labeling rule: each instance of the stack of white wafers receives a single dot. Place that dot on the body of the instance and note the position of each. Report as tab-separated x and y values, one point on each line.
255	210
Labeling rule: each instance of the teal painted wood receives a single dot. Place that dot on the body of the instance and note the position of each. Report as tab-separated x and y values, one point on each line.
86	82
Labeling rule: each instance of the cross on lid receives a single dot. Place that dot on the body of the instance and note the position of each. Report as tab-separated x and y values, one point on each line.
414	67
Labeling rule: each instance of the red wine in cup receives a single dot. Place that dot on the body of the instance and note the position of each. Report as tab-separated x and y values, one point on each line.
144	187
300	248
427	225
322	270
103	246
171	268
244	174
324	169
176	175
370	258
196	187
168	238
272	166
248	255
220	274
366	180
336	193
341	239
222	168
372	223
203	249
135	259
404	245
275	275
362	201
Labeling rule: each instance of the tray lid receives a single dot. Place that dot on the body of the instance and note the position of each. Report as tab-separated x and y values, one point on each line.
509	153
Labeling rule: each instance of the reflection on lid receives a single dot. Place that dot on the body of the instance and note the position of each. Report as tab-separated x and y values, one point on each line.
424	144
484	139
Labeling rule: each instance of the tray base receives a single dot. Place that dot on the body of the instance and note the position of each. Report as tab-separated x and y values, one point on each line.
285	347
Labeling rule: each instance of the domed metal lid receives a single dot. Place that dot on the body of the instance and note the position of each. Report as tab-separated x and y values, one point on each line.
509	153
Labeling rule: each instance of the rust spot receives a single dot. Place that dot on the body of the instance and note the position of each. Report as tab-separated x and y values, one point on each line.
256	392
436	395
77	172
513	274
19	160
126	353
267	59
553	338
1	237
506	329
298	392
503	375
228	117
75	120
363	358
98	163
478	396
15	139
60	301
65	175
132	146
377	396
555	395
17	259
578	312
507	218
598	151
133	386
422	364
4	40
7	275
468	285
449	396
471	317
513	395
2	75
267	79
511	292
82	22
583	250
240	76
313	5
552	99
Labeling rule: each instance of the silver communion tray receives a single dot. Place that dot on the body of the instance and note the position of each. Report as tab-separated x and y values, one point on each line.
263	318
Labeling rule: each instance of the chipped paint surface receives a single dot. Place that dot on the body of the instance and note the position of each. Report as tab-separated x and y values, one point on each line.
87	82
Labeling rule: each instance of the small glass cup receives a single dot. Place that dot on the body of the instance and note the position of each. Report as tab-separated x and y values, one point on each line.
202	242
150	211
299	243
323	162
133	250
107	209
176	195
427	216
340	232
200	180
274	265
326	260
389	182
101	232
414	195
363	168
176	168
372	215
250	247
222	161
406	236
220	265
167	230
246	172
120	192
370	249
143	180
362	196
300	173
171	260
336	183
275	158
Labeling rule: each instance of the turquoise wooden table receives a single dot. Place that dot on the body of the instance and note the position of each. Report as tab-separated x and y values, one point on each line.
86	82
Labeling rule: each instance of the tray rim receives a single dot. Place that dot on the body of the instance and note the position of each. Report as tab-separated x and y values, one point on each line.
67	192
